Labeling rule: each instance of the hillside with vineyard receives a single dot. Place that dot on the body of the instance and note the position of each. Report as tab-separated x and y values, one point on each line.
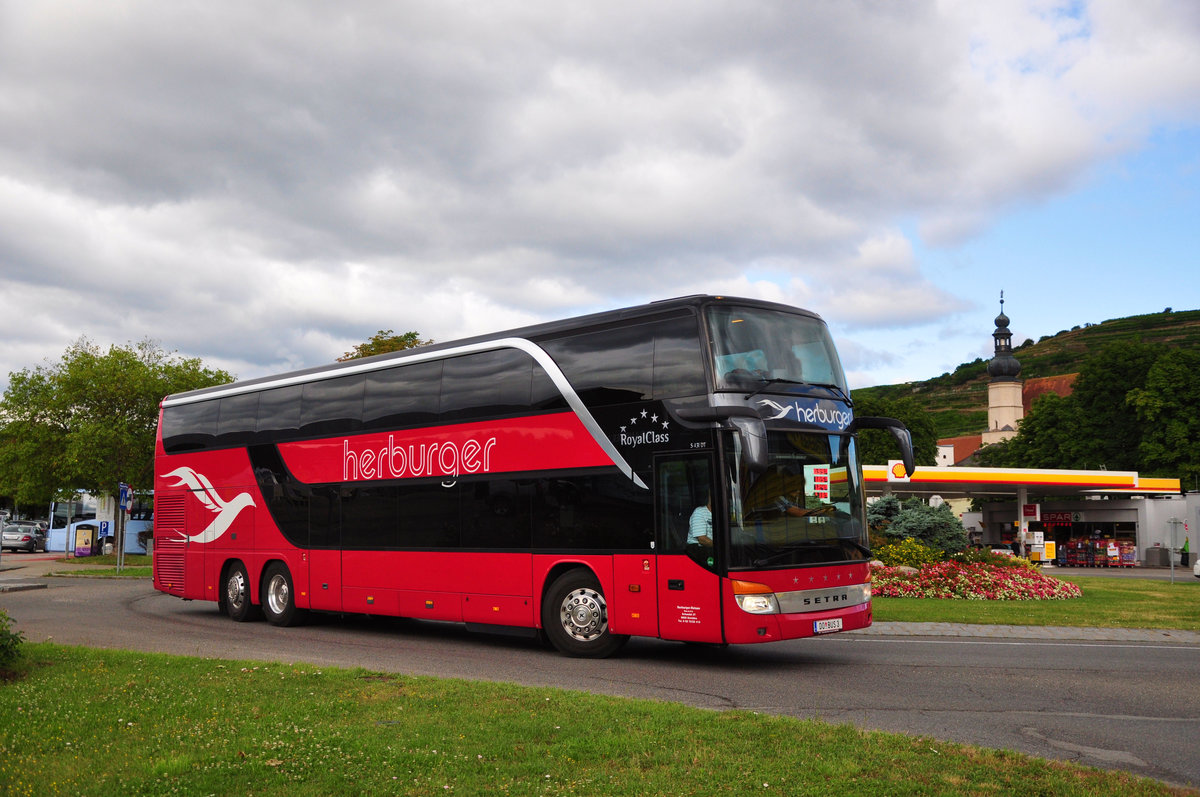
957	401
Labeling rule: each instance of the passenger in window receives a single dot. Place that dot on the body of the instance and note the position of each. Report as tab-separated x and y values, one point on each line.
700	525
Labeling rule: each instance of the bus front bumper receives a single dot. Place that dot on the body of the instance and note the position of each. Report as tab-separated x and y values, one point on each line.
799	614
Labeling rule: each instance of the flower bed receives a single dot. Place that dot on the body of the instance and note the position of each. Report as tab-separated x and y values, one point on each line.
969	581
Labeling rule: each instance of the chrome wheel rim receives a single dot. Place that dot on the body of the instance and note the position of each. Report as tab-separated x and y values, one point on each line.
584	614
278	594
235	589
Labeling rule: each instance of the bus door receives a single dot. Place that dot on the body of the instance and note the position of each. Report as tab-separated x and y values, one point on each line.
689	590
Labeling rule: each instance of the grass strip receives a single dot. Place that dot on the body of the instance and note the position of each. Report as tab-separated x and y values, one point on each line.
1107	602
134	566
85	722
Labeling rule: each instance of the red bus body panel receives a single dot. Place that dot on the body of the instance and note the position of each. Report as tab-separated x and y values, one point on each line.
689	601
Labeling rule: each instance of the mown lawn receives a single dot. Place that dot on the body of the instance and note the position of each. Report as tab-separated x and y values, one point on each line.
1107	602
97	722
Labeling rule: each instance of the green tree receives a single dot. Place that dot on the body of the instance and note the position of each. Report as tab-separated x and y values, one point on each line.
382	342
31	442
1094	427
876	447
997	455
88	422
1048	438
1169	407
1109	434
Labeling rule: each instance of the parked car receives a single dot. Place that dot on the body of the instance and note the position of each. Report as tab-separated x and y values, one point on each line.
23	537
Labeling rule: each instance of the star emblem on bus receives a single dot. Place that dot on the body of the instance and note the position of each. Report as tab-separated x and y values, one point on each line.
645	428
645	415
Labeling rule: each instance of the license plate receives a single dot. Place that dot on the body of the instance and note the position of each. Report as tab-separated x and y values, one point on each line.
827	626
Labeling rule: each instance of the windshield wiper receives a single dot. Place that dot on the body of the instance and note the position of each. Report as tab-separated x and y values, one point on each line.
810	545
788	551
768	382
832	388
865	550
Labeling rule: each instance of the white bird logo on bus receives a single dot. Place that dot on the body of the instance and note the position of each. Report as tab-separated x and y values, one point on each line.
780	410
226	511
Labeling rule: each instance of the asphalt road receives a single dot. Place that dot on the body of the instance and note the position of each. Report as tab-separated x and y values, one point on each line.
1132	705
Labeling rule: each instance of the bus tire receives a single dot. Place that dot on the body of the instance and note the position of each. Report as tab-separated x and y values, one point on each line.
235	594
279	596
575	617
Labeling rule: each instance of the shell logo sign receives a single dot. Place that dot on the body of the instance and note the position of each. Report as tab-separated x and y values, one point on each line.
896	472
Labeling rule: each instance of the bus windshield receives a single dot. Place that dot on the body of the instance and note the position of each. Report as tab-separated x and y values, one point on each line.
805	508
758	347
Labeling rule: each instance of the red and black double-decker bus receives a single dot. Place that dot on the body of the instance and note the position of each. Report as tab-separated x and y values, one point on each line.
684	469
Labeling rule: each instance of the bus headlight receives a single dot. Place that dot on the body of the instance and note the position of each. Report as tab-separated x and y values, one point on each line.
755	598
758	604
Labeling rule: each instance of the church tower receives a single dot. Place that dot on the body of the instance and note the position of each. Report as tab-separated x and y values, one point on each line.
1005	404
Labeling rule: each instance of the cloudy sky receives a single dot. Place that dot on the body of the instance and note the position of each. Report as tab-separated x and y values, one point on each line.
264	185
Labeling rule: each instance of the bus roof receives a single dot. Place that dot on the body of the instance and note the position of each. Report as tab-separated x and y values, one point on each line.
549	328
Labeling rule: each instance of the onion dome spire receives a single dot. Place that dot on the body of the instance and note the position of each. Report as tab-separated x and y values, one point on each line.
1003	367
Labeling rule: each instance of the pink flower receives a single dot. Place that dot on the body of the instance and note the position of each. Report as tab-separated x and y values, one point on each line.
972	581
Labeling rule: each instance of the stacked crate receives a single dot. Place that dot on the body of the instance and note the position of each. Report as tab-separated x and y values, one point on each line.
1077	553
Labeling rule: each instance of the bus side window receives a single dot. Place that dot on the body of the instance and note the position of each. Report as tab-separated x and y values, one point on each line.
237	419
190	427
278	414
403	396
332	406
486	383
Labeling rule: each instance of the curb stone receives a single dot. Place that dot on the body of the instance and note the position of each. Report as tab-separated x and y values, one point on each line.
1053	633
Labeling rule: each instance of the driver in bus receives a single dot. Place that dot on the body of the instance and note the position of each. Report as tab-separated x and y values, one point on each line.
781	490
789	507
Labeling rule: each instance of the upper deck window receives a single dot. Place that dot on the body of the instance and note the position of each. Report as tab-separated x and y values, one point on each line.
754	346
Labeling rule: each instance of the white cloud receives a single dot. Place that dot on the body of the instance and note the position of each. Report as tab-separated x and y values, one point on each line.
266	185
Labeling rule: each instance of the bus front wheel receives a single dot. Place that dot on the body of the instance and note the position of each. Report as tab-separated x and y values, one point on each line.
575	617
235	594
279	597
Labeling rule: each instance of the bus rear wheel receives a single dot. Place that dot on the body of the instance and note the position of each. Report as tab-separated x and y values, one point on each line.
279	597
235	594
575	617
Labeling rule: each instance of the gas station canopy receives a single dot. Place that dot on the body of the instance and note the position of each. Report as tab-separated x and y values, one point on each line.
960	482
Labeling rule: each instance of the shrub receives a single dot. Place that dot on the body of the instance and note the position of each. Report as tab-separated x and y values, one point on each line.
10	642
986	557
882	512
908	552
936	526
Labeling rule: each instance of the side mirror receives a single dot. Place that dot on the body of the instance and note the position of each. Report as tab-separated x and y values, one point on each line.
754	441
898	430
749	426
